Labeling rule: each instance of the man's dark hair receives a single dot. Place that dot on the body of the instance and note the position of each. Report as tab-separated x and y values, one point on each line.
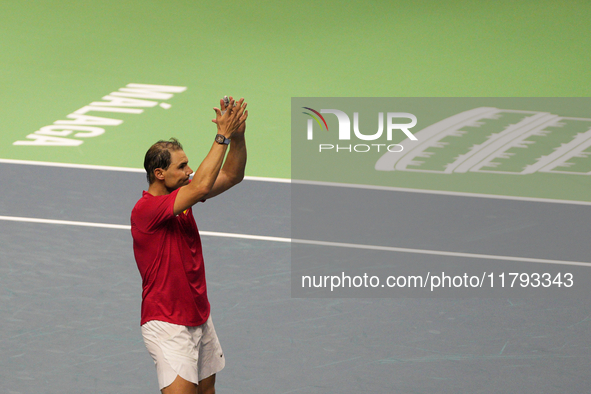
158	156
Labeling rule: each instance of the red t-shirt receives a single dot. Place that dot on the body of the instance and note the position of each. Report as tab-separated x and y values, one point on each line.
168	253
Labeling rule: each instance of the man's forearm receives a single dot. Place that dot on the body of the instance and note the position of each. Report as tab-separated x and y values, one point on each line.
236	160
208	170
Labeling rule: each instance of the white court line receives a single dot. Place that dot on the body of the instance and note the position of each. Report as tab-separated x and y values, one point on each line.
65	222
442	253
441	192
311	242
317	183
122	169
67	165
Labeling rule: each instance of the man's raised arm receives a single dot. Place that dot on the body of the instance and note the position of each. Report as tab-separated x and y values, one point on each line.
232	171
206	175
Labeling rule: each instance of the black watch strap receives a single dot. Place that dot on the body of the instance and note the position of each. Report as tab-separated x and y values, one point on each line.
220	139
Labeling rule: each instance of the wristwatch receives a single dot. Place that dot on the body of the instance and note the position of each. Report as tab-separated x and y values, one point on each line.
220	139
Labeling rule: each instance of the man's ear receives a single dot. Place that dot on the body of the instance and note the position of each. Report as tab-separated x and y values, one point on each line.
159	173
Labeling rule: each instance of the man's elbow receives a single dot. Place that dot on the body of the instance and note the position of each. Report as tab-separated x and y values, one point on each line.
236	179
201	192
230	178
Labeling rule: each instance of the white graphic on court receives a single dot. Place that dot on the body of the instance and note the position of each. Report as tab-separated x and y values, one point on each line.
494	140
128	100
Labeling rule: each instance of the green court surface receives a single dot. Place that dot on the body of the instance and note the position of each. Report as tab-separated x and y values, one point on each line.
58	57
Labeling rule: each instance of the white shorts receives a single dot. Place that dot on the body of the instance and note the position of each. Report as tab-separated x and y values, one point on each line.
193	353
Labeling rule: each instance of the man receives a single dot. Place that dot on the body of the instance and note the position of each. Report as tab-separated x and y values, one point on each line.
176	324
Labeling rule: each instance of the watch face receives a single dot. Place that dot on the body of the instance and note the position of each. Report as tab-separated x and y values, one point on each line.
219	139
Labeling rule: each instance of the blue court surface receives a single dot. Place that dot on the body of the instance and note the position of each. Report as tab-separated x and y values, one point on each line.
70	296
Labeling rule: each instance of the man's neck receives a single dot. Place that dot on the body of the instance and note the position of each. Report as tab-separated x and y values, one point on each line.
158	189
